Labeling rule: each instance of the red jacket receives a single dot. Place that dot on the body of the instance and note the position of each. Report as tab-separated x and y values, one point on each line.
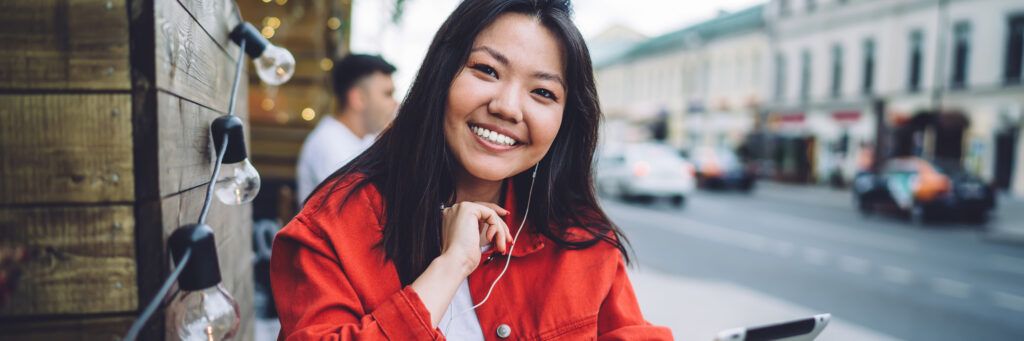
330	282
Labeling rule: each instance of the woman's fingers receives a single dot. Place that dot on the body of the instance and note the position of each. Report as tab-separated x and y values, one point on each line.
501	211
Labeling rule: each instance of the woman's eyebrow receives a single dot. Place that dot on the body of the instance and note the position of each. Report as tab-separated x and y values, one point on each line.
549	77
497	55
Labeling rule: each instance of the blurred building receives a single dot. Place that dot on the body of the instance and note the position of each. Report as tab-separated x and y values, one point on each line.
950	69
700	85
802	77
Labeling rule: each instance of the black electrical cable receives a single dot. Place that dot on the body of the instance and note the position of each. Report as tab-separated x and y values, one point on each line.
213	180
223	148
155	303
133	332
238	76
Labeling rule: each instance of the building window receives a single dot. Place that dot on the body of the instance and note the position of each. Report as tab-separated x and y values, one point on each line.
784	9
805	75
780	76
837	70
811	5
868	85
961	54
1014	50
914	69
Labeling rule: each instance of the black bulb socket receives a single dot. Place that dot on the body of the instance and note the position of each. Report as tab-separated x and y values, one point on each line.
233	128
203	268
255	42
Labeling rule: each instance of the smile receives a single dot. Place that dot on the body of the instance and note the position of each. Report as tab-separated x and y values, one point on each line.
493	137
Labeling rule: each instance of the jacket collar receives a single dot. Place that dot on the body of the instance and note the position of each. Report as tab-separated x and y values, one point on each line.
529	240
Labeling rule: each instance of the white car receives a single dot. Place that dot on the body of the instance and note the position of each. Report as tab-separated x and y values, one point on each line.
644	171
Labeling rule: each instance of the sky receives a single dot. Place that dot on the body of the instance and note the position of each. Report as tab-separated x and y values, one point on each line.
404	44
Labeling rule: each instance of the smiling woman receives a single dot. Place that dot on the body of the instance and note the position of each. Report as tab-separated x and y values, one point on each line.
503	116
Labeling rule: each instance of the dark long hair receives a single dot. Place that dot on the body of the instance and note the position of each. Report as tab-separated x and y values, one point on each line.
413	168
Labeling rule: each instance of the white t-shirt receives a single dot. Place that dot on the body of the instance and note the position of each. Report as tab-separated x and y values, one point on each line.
328	147
464	325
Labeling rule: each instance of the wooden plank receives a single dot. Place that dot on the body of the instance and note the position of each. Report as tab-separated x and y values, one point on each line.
184	145
189	63
66	149
217	18
72	328
64	44
84	260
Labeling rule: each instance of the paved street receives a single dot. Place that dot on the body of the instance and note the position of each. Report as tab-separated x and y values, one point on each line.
730	259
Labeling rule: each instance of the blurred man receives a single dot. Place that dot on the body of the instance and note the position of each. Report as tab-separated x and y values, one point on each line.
363	90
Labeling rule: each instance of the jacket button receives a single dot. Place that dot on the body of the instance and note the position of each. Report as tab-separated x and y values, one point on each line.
504	331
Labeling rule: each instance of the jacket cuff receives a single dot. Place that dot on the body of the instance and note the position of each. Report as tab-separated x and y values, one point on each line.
405	317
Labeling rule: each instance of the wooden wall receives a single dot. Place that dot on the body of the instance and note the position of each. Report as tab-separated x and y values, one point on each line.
105	108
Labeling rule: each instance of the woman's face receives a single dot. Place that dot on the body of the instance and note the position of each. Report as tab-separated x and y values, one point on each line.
505	105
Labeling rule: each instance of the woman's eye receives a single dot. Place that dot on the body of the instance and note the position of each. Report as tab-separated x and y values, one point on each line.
486	69
547	94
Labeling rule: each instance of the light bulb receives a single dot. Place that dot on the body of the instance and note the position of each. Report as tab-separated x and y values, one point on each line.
275	66
203	315
238	183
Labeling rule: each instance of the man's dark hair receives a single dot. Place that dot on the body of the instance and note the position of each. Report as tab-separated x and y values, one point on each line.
351	69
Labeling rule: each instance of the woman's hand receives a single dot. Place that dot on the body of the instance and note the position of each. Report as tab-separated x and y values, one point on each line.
468	226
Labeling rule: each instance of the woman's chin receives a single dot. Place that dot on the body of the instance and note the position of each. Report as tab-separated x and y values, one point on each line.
489	172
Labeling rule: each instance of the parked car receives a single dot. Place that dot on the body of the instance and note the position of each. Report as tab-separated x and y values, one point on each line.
644	171
924	190
721	168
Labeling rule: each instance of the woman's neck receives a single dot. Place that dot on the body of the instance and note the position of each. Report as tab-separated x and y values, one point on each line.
471	188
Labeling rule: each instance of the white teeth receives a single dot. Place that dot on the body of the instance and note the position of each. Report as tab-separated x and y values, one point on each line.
493	136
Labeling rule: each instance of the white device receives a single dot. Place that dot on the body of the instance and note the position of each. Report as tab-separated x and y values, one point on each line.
806	329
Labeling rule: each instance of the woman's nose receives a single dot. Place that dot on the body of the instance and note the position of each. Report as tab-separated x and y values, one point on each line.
507	105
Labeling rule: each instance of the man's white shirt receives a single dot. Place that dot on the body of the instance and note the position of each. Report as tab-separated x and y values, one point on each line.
328	147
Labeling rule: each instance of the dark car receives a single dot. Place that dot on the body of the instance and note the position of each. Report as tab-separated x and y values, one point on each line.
721	168
923	190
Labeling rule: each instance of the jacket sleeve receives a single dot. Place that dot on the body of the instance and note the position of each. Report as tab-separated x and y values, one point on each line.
620	317
316	301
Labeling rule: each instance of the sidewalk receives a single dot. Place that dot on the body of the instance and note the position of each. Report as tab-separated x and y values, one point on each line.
698	309
1007	223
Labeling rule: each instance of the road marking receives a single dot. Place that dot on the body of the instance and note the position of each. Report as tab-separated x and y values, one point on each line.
951	288
815	256
1008	301
779	192
1007	264
832	231
897	275
854	265
706	231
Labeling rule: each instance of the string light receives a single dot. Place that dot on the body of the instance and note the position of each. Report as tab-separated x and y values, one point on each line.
281	2
202	308
274	65
333	23
326	64
272	22
282	117
308	114
267	104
